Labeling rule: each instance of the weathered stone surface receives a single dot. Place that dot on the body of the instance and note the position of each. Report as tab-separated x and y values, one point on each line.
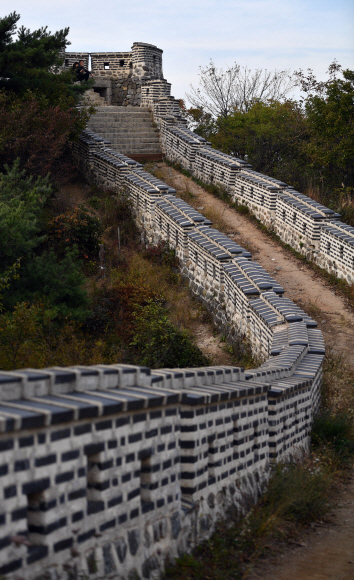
211	500
149	565
108	560
175	525
134	541
121	549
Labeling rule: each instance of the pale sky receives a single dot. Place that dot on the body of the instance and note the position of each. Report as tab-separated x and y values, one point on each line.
272	34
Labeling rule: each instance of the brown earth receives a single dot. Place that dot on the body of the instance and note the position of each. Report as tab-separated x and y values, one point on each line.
326	550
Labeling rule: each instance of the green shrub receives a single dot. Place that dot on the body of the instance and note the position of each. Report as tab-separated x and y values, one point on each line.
59	283
298	491
157	343
21	214
335	429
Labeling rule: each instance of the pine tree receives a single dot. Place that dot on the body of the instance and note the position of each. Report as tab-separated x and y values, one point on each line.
32	61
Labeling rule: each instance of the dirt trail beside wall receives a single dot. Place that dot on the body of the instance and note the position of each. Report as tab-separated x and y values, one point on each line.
302	284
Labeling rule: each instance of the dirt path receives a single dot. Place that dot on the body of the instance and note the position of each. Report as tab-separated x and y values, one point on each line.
302	284
327	549
325	552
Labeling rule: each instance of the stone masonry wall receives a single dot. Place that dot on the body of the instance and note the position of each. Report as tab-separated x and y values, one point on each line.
307	226
113	471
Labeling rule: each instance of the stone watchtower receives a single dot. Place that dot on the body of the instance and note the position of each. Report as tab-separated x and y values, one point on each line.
130	94
119	76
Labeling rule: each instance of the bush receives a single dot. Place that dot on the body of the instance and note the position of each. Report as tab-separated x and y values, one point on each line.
298	491
77	227
21	206
162	254
157	343
334	429
134	320
32	336
59	282
116	211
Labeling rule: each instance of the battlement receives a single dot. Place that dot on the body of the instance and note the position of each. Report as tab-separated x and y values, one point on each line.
144	61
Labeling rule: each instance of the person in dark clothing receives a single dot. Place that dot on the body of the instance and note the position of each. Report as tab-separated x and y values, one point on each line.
82	73
75	68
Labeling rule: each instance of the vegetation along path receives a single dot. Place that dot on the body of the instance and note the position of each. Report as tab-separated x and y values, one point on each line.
328	549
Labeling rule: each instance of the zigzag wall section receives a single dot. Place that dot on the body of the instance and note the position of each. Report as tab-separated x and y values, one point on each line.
112	471
116	470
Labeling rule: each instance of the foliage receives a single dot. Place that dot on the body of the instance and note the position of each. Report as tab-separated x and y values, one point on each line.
134	320
59	282
271	136
21	202
157	343
37	98
331	123
30	336
161	254
5	280
22	222
35	132
116	211
32	62
199	121
308	143
297	493
222	92
113	307
77	227
336	430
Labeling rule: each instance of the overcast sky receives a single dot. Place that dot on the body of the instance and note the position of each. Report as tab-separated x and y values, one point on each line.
272	34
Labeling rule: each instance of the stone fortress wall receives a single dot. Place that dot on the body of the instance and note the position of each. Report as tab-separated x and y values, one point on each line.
113	470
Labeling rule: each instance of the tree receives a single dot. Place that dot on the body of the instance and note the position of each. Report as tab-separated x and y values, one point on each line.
21	203
271	135
222	92
58	283
32	62
38	100
23	233
329	107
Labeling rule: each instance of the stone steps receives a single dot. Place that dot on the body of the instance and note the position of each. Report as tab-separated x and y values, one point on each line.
145	126
92	98
129	129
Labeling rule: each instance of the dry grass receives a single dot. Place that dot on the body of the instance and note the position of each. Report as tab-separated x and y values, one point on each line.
338	384
184	311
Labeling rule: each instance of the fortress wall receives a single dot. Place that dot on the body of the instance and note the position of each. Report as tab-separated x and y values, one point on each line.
71	57
309	227
116	470
111	63
147	60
